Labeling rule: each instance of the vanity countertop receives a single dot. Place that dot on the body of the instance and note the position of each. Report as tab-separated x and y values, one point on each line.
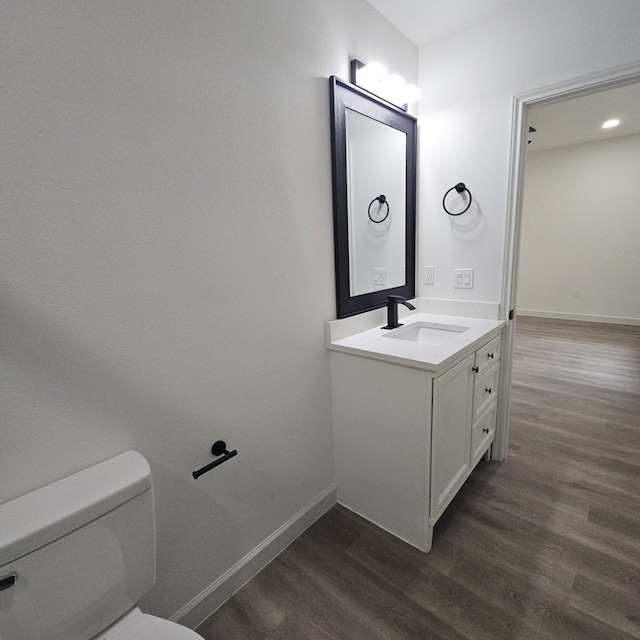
376	343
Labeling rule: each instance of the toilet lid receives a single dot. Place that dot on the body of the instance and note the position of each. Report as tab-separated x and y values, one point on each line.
142	626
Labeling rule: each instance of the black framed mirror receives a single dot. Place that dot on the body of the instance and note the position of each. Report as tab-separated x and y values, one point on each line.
374	199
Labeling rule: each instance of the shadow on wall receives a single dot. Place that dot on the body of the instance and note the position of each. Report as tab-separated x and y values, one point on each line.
198	521
470	226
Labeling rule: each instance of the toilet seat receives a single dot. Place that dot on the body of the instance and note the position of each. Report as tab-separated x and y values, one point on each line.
142	626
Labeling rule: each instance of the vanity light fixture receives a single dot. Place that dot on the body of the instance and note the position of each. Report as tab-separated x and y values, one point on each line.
609	124
374	78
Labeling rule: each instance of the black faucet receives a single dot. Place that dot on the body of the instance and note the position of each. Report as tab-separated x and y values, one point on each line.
392	311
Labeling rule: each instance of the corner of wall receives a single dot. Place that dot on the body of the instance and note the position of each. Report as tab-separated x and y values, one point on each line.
219	591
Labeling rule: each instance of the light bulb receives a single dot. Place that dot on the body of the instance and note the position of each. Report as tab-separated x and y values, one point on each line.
411	94
370	75
392	87
373	77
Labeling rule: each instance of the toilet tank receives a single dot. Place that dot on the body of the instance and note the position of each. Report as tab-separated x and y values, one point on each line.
82	550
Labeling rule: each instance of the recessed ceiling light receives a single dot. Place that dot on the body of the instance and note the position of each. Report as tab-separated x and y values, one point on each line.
611	123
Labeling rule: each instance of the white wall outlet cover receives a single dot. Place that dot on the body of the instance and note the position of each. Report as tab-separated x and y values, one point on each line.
429	275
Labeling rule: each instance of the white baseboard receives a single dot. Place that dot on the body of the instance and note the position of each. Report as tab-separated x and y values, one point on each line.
217	593
579	317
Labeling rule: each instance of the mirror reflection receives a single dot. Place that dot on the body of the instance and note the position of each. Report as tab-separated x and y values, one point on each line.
375	166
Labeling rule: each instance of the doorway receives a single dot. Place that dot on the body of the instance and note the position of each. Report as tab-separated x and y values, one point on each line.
522	108
581	210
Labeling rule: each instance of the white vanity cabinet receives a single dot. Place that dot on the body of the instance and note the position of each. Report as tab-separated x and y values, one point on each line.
407	438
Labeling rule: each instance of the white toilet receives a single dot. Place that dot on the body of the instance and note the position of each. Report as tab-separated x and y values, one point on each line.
77	555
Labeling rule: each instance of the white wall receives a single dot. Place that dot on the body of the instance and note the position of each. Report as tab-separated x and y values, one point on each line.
167	254
468	82
580	230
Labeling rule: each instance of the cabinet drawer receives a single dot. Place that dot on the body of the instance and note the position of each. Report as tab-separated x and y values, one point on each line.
488	355
485	389
483	431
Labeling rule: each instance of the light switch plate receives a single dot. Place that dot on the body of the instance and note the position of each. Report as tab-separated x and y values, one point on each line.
463	278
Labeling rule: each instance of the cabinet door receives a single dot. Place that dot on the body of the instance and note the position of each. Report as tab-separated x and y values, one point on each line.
451	434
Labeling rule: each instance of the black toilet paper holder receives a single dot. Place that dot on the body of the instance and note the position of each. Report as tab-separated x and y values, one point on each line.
219	448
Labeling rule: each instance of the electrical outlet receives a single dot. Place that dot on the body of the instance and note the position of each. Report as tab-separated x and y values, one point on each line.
576	293
463	278
428	275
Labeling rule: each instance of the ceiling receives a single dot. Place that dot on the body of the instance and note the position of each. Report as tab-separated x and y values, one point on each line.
423	21
580	119
564	123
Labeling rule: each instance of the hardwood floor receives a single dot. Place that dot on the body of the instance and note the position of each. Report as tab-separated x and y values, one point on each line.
545	545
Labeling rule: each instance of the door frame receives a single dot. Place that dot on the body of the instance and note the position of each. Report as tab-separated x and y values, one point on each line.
581	86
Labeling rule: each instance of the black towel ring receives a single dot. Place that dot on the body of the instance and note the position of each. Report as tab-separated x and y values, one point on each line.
382	200
460	187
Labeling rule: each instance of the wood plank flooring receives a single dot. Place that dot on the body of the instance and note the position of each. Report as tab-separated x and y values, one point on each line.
545	545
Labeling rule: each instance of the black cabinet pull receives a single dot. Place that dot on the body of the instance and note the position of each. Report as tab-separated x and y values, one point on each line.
475	369
488	390
485	431
490	355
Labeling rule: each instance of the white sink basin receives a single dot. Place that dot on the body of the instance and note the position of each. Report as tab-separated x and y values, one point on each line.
427	332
